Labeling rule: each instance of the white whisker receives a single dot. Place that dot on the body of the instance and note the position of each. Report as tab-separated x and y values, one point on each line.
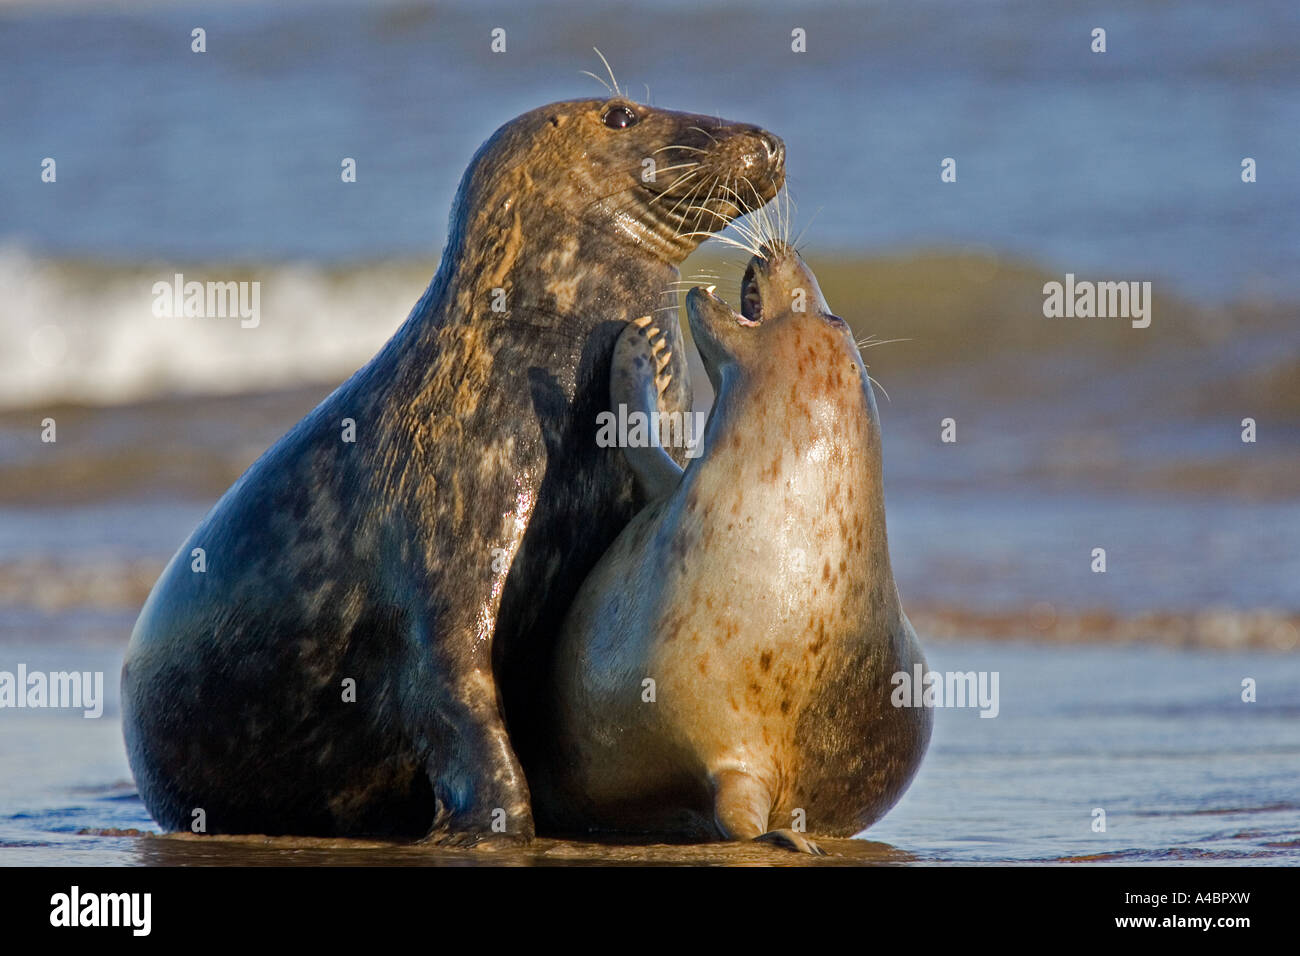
598	80
617	91
805	228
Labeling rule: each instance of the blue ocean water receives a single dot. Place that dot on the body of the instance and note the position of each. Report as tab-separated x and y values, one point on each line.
1124	164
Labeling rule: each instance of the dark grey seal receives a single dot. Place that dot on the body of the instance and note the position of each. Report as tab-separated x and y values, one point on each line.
375	613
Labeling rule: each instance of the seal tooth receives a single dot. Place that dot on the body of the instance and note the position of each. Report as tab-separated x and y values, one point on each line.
642	322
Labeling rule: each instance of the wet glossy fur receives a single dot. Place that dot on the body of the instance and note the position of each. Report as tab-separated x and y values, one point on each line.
432	559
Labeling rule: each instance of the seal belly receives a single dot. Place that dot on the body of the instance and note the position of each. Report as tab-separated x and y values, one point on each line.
736	688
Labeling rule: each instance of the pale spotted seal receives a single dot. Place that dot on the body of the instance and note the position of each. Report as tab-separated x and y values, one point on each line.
725	671
374	612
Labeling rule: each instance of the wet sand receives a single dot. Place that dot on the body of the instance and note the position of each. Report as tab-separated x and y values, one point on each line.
191	850
1160	739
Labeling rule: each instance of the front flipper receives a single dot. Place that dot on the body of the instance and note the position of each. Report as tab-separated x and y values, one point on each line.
642	380
741	806
481	794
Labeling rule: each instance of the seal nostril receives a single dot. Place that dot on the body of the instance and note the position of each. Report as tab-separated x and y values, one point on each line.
774	146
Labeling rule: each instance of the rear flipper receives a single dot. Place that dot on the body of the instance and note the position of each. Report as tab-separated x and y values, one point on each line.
645	379
790	840
741	807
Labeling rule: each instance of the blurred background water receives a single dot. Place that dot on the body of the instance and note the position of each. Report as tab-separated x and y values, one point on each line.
1071	434
1126	162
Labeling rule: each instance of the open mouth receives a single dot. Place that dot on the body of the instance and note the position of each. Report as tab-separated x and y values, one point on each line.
704	301
751	300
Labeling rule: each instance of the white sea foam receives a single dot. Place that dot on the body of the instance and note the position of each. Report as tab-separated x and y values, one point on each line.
74	332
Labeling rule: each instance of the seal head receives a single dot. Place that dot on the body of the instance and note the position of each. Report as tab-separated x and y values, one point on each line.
658	179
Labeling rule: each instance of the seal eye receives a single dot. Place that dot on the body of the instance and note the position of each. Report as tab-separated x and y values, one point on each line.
619	117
